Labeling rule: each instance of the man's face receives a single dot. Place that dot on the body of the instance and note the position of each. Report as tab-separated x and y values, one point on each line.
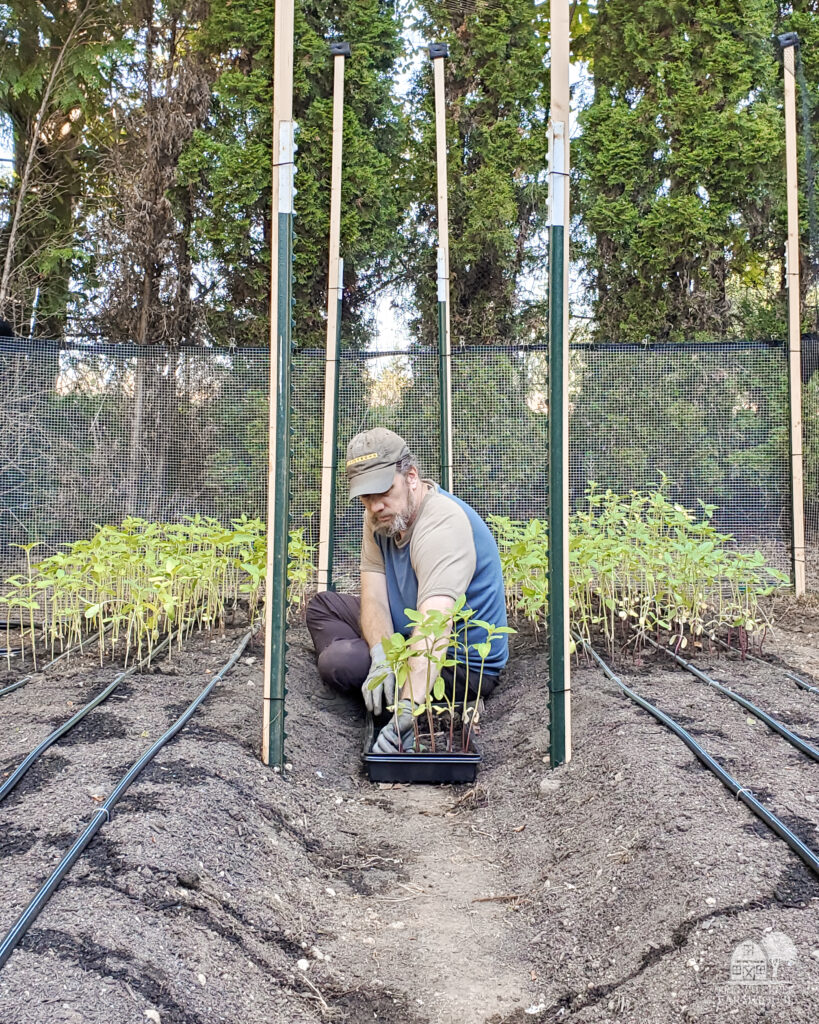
393	511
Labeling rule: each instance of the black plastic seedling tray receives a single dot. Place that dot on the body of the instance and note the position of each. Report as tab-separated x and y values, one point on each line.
412	767
423	767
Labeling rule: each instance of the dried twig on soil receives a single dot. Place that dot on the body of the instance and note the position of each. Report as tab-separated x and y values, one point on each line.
318	995
502	898
483	832
414	890
368	863
478	795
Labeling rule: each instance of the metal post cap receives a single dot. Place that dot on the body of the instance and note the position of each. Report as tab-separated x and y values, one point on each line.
340	49
438	50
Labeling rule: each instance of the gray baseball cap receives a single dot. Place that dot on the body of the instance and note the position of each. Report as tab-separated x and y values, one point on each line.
371	460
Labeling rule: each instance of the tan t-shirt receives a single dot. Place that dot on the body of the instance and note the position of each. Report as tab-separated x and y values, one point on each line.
441	547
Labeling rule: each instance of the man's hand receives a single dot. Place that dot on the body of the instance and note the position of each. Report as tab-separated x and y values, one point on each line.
399	733
383	694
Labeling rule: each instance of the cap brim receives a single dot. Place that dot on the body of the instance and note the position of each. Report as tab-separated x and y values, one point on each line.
374	481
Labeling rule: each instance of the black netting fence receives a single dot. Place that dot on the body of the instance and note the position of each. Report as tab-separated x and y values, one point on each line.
810	427
93	434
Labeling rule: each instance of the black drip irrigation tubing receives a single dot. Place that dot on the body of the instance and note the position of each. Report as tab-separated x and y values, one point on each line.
771	820
763	661
103	815
61	730
773	723
22	682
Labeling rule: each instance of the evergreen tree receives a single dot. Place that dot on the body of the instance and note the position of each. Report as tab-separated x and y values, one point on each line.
497	93
679	166
801	17
227	165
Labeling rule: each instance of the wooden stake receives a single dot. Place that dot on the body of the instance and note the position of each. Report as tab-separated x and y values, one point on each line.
794	322
438	52
335	286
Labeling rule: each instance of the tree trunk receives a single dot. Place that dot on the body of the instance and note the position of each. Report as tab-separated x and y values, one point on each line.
33	147
137	430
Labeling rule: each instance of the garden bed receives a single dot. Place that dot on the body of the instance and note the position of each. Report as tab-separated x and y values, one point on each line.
615	888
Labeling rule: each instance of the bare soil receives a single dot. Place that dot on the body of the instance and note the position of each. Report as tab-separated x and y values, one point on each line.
615	888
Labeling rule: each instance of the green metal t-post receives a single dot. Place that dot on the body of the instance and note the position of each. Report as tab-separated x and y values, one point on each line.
331	538
278	489
560	735
444	385
279	512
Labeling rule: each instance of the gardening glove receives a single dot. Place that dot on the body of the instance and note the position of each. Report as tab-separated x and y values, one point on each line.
384	694
399	730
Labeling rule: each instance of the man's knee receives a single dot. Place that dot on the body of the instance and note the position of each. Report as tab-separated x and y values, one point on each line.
331	616
344	664
318	610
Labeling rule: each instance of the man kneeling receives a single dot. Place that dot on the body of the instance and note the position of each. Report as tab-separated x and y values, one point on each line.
421	549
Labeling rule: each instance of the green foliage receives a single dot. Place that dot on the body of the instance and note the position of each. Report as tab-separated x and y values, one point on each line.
141	581
497	90
679	166
56	65
679	196
227	165
639	566
301	570
439	640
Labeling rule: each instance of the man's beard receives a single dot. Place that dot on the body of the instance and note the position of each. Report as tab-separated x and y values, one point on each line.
401	521
398	524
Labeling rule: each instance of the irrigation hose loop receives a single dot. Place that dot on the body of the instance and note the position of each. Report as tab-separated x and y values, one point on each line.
773	723
20	682
32	911
61	730
26	679
764	661
740	792
801	683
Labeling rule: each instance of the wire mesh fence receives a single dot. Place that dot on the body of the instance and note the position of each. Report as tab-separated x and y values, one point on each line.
810	427
708	421
92	434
